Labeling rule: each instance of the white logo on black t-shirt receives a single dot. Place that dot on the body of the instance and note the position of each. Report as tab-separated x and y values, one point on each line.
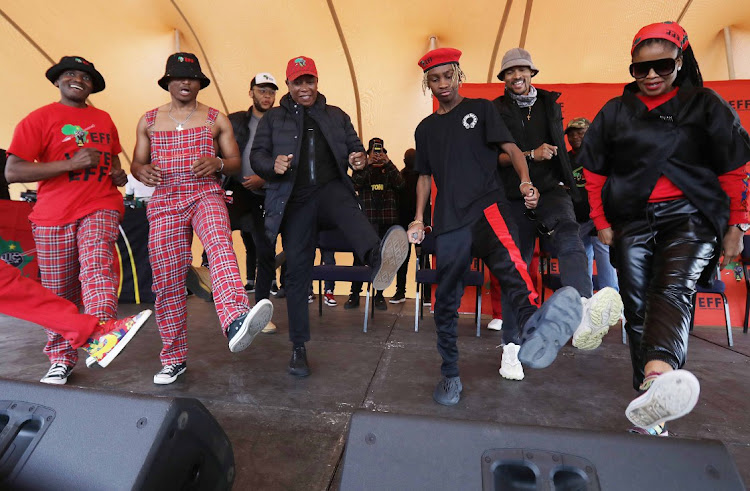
470	121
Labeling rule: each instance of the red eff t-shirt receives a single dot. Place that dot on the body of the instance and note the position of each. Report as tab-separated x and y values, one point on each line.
56	132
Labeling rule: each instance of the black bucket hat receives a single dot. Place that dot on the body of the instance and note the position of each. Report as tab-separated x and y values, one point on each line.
76	63
183	65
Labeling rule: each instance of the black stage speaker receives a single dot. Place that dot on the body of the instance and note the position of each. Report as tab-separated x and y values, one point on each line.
388	451
54	437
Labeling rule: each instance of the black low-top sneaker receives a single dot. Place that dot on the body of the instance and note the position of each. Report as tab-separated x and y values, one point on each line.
353	301
57	374
298	364
169	373
243	330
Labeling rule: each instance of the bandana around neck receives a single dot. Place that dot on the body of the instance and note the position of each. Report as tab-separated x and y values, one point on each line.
527	100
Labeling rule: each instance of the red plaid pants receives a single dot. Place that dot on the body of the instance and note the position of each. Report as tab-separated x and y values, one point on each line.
76	263
173	216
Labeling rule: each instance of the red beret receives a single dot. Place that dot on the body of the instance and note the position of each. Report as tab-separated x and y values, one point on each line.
671	31
440	56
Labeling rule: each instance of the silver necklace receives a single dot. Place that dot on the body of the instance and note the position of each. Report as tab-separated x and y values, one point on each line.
180	123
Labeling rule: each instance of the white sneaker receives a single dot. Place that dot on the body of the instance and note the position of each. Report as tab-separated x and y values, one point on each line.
600	312
495	325
670	396
510	366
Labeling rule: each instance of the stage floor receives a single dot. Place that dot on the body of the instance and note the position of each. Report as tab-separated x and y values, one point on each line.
289	433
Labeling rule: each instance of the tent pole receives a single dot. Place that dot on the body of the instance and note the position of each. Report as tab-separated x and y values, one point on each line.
730	55
177	41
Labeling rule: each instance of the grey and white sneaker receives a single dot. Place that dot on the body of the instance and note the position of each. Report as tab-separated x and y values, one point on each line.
243	330
600	312
668	396
510	366
57	374
169	373
388	257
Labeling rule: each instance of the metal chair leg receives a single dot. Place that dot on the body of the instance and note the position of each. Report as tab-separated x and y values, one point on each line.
320	298
479	310
730	341
367	306
417	299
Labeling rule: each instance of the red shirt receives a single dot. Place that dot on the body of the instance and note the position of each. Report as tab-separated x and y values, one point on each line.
56	132
665	190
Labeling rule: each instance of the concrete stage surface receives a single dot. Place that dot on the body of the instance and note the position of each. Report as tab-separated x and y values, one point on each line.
290	433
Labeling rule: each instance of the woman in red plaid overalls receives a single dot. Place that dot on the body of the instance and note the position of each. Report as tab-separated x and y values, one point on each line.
182	163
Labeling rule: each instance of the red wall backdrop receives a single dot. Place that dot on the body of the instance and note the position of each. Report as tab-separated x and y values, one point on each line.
585	100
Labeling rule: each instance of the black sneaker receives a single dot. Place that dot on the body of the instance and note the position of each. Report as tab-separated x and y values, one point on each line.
353	301
399	297
169	373
387	258
298	364
448	391
281	293
250	287
274	288
243	330
380	302
57	374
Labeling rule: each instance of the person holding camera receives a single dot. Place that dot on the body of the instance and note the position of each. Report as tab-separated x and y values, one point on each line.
378	185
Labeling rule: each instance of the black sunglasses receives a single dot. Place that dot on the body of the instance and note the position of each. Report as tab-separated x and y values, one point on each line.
662	67
540	226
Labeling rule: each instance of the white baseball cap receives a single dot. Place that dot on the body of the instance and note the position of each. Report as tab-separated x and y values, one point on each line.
264	78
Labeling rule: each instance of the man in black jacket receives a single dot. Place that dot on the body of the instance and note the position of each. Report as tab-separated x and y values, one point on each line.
302	150
534	118
248	192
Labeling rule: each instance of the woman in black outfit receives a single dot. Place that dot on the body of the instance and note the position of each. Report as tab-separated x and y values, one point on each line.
665	164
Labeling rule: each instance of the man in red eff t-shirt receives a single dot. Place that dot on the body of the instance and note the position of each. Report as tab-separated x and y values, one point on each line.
71	149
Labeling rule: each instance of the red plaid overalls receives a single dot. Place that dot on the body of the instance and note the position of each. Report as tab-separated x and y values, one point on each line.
181	204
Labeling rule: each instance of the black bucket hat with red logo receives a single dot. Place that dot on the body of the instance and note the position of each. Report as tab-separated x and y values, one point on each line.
183	65
76	63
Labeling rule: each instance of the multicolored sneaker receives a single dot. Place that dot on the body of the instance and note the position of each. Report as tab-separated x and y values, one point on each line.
667	396
329	299
658	430
600	312
112	336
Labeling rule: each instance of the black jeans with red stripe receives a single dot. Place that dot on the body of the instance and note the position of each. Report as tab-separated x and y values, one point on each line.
492	239
555	212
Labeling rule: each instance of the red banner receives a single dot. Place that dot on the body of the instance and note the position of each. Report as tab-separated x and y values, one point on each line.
585	100
17	246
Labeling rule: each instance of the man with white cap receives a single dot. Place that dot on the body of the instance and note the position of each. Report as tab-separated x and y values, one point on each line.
248	192
534	118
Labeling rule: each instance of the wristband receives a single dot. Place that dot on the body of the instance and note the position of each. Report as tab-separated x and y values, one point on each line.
525	182
222	165
414	223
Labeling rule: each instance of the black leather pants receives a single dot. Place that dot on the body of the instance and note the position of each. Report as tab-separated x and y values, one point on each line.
659	259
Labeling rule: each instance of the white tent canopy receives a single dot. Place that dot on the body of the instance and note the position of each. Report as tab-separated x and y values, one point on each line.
366	52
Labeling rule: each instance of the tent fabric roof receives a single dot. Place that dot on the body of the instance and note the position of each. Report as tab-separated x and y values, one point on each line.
366	52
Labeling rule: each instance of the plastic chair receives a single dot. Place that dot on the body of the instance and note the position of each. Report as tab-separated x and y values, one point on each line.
426	276
335	240
718	287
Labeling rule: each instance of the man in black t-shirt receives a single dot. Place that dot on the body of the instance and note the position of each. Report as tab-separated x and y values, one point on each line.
534	118
458	146
302	149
